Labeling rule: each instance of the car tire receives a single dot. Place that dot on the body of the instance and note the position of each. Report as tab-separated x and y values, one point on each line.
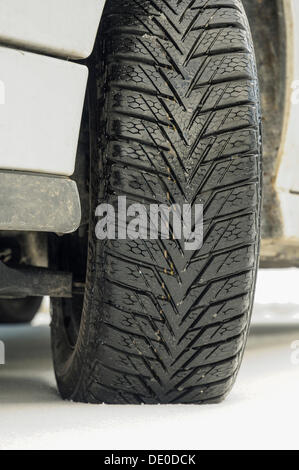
174	116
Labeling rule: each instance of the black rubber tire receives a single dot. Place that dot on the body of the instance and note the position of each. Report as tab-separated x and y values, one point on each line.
175	116
14	311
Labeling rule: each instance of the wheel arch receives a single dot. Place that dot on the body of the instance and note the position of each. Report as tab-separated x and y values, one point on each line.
269	21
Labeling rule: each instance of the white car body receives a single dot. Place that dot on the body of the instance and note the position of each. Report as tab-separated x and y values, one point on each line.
65	28
36	89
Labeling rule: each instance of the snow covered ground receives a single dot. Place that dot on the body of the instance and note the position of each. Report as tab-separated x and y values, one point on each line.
261	412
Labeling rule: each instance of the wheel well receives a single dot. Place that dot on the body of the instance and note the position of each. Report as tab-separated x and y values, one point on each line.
267	19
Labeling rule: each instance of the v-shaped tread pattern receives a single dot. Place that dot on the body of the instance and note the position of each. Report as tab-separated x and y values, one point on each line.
180	119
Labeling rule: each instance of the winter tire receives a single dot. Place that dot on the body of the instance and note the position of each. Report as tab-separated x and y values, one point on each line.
174	116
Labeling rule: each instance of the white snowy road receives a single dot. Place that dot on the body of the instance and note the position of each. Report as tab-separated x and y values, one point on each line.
261	412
